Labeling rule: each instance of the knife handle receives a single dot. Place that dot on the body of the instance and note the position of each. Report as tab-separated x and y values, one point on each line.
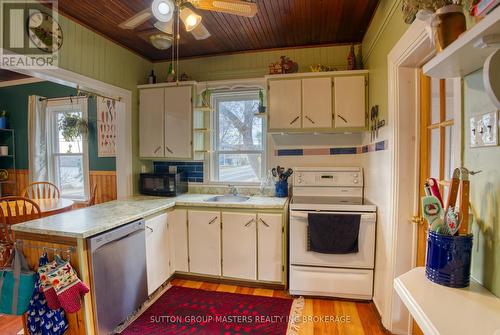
464	207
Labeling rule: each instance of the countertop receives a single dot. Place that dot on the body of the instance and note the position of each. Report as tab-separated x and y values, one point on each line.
86	222
444	310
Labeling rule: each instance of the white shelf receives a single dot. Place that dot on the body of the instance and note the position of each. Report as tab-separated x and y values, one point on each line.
443	310
461	57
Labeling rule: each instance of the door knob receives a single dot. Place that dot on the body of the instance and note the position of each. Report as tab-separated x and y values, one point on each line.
417	220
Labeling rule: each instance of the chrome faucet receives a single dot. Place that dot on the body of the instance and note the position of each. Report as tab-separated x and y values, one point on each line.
233	190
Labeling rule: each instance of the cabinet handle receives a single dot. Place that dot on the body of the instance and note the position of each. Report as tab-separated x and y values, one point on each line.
148	227
295	120
264	222
307	117
168	149
343	118
213	220
249	223
157	149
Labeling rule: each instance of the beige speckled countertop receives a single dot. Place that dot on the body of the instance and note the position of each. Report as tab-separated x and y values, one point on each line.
86	222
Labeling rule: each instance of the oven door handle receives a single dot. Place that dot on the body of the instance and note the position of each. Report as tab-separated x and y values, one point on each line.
305	215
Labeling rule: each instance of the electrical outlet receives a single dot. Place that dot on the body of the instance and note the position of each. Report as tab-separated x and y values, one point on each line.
490	128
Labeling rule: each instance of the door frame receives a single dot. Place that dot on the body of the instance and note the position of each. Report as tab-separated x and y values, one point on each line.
124	154
403	64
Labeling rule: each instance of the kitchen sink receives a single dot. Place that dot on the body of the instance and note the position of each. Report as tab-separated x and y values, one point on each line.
228	198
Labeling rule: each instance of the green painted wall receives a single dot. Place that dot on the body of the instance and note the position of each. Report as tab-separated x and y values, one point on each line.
14	100
255	64
88	53
384	32
485	189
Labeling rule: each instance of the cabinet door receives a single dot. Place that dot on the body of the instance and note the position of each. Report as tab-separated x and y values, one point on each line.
285	104
270	247
178	231
317	103
239	245
350	104
157	252
151	116
178	122
204	242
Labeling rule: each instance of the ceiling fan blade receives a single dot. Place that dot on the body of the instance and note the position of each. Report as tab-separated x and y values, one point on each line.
200	32
137	19
166	27
236	7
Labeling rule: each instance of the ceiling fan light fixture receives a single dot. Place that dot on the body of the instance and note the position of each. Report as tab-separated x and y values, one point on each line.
200	32
190	19
163	10
161	41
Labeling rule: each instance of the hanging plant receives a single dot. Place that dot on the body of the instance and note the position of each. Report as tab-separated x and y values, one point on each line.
72	126
262	108
410	8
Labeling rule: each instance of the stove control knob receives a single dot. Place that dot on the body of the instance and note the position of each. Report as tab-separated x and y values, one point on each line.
355	181
355	175
299	181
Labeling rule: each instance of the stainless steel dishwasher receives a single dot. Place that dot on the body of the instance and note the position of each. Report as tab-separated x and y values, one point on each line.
118	263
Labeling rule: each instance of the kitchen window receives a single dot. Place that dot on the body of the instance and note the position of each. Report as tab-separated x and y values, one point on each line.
239	138
67	160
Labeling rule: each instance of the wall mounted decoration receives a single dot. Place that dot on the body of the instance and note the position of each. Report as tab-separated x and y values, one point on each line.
106	127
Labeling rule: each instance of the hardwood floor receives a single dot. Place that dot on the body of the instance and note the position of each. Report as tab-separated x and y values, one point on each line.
10	325
360	318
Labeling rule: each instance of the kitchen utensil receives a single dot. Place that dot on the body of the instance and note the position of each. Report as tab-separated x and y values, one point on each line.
427	189
451	218
432	211
464	201
433	183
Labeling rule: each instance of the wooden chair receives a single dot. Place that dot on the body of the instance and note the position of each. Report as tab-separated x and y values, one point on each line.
41	190
14	210
93	196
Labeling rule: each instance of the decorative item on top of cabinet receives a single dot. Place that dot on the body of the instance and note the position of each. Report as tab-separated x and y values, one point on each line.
285	65
351	59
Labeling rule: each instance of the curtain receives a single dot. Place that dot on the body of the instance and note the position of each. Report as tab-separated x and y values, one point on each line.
37	137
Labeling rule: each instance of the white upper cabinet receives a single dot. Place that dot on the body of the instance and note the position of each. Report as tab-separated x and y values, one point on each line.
204	242
178	122
270	246
317	103
350	102
239	245
285	104
157	252
151	117
178	231
307	102
165	117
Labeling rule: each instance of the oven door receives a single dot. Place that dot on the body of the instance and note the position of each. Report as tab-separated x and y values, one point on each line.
299	255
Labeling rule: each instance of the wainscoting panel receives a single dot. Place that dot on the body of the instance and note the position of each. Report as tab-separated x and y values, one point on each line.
106	185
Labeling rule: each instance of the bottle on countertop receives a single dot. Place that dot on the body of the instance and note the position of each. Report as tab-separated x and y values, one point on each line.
152	78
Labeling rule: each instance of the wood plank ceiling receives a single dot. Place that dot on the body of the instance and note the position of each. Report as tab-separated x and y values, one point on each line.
278	24
6	75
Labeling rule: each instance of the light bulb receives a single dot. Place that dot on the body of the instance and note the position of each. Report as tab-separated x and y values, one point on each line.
191	20
163	8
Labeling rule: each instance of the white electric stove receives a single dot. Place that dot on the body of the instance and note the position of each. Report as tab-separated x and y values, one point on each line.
331	191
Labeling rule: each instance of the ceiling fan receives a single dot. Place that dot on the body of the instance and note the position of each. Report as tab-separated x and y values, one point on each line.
164	10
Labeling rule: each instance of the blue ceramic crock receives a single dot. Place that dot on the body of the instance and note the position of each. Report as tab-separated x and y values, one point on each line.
282	189
449	259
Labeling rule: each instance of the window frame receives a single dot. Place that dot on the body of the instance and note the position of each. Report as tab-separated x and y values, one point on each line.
53	108
234	95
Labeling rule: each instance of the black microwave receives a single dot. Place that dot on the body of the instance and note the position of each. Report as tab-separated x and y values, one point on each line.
163	184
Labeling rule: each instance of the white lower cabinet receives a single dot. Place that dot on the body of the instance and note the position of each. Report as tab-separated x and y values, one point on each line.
157	252
239	245
177	223
270	247
204	242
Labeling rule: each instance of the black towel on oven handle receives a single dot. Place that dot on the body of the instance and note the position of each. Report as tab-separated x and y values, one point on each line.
333	233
